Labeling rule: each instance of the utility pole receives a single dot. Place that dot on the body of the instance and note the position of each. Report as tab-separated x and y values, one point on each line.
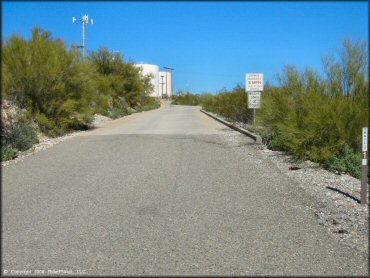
162	85
166	84
84	21
171	69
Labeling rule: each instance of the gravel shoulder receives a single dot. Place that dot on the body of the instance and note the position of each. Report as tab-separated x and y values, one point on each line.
336	207
335	197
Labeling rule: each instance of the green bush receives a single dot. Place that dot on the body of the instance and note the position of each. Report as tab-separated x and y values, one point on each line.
186	99
320	117
233	105
117	112
46	125
207	102
81	121
21	136
149	103
276	142
7	153
119	80
60	89
346	161
52	83
310	115
148	107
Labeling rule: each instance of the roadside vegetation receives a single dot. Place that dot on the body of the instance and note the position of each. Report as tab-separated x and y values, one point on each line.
21	136
60	91
308	115
185	98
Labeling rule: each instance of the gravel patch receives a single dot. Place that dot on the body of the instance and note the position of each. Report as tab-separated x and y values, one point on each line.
99	119
338	205
338	196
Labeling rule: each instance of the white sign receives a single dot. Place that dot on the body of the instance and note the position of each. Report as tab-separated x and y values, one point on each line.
364	139
254	99
254	82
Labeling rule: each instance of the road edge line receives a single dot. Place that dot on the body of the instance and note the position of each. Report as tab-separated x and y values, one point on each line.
255	137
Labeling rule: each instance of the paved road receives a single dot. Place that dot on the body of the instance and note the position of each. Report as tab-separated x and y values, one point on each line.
165	192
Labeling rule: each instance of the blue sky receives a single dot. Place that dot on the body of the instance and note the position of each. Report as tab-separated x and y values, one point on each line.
211	45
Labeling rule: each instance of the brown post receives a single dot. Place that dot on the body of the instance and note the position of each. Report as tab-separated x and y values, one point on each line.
162	87
365	168
364	186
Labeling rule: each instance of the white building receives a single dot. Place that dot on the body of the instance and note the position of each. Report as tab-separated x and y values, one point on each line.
154	71
162	81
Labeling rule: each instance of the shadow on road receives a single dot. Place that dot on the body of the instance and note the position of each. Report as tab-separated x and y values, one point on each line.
344	193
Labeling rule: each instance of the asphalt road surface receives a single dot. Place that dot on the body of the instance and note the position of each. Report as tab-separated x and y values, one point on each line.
165	192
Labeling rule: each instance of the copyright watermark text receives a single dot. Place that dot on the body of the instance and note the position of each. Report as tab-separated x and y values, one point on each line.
25	272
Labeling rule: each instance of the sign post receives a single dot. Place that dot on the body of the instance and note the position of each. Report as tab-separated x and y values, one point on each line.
254	101
254	116
254	87
365	169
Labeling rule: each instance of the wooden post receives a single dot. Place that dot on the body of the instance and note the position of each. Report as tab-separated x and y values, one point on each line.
365	168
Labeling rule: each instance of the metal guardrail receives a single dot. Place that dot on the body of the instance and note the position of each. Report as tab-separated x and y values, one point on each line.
256	137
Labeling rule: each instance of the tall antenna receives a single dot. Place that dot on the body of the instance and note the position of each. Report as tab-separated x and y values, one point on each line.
84	21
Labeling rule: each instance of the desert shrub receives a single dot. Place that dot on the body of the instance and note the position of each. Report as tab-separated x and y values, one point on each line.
117	112
60	89
46	125
320	117
207	102
17	136
118	80
347	161
186	98
310	115
21	136
233	105
149	103
47	79
275	141
7	152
